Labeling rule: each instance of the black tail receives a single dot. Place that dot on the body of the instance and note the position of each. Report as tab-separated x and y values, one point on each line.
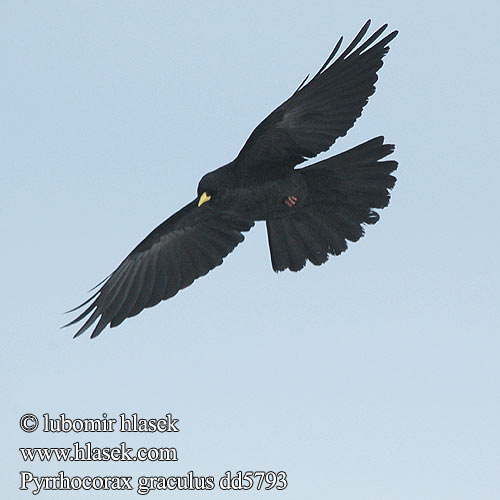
342	193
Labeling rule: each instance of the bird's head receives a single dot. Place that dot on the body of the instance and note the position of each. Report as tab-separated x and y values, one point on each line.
215	185
207	189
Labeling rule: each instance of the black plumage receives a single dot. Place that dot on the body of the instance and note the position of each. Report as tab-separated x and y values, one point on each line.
310	212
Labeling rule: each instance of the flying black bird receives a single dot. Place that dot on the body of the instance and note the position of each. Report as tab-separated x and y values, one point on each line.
309	212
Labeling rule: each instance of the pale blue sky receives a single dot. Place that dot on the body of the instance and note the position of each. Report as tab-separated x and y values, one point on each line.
375	376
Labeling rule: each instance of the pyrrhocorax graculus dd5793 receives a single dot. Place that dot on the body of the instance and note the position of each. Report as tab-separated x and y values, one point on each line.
310	212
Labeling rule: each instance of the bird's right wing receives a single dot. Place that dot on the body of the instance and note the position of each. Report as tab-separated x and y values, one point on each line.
184	247
320	111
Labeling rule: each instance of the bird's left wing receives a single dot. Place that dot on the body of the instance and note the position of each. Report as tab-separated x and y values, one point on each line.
320	111
184	247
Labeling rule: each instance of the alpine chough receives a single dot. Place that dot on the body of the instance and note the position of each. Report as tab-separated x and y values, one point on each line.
310	212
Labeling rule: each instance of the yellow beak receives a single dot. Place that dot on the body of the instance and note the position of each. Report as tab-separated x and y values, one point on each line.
203	199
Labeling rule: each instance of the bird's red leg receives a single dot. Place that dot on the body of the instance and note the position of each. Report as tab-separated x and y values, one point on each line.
290	201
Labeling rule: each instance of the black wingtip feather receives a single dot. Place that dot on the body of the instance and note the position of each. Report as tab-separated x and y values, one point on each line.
356	40
82	304
92	318
330	57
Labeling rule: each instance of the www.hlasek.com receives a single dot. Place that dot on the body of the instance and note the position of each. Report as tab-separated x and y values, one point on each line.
258	480
89	453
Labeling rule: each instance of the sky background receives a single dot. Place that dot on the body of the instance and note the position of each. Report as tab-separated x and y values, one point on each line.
374	376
